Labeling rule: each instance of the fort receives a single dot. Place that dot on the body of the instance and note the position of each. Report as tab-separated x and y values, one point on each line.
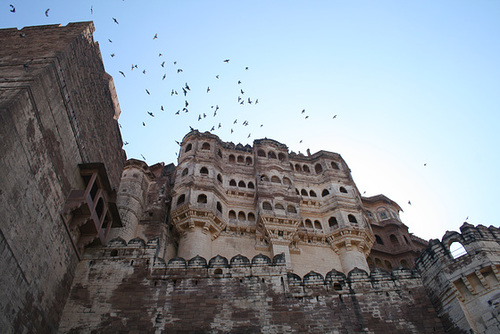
233	238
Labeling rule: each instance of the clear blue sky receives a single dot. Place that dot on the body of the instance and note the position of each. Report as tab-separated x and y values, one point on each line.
411	83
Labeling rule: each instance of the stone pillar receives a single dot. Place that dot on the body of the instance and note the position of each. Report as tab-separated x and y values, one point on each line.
131	201
195	241
351	259
278	248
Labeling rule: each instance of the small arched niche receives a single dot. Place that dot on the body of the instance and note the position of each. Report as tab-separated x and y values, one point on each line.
457	250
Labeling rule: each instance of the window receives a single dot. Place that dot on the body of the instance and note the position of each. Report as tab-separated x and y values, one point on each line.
352	219
219	178
251	217
457	250
261	153
250	185
383	214
232	214
298	168
312	193
242	184
202	198
303	192
219	153
248	161
317	225
264	178
343	190
204	171
279	207
188	147
240	159
271	155
332	222
241	216
291	209
185	172
394	239
318	168
267	206
388	265
291	166
404	264
181	199
378	262
275	179
232	183
378	239
306	169
205	146
232	158
325	192
308	223
281	157
219	207
334	165
287	181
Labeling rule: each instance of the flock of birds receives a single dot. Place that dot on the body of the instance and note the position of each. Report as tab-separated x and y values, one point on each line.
185	90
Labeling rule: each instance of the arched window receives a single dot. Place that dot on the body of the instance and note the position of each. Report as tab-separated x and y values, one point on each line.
181	199
317	225
388	265
378	239
404	263
394	239
204	171
457	250
205	146
219	153
188	147
332	222
264	178
219	178
242	184
240	159
271	155
232	214
266	206
369	261
275	179
232	183
281	157
232	158
291	166
251	217
297	191
352	219
298	168
318	168
343	190
261	153
383	214
378	262
312	193
303	192
250	185
286	181
248	161
219	207
185	172
241	216
325	192
202	198
308	223
279	206
334	165
291	209
305	168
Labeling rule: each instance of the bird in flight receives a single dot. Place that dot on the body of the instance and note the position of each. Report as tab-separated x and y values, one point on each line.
246	68
187	87
155	36
110	40
147	91
232	131
186	103
164	76
208	89
219	126
116	21
163	64
112	55
226	60
47	12
125	143
143	157
12	8
185	91
178	112
161	108
143	124
151	114
179	70
213	128
217	76
300	141
239	82
249	135
409	202
307	117
303	111
235	121
425	164
91	10
122	73
335	116
177	142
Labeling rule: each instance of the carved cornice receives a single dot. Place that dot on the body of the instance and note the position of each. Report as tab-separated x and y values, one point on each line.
186	218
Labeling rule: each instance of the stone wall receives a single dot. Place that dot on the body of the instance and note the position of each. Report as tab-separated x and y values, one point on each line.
125	287
58	109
